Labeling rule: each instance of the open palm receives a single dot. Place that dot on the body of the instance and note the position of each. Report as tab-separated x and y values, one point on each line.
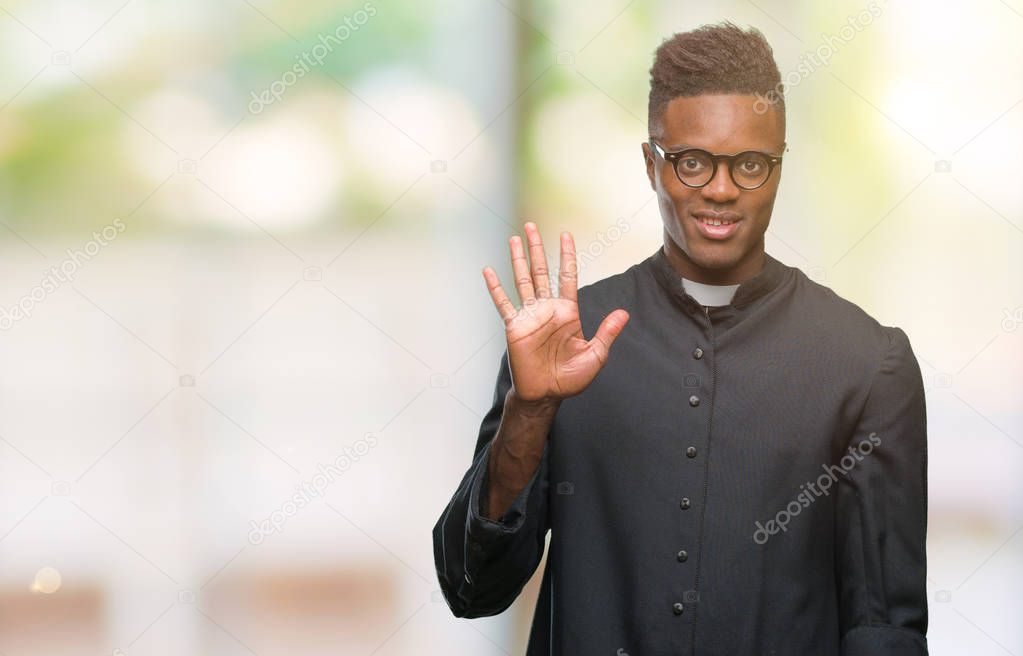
549	357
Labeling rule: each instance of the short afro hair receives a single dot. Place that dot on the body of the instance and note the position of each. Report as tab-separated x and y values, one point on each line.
714	59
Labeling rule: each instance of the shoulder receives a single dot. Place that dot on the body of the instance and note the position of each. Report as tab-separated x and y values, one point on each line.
849	327
620	290
611	286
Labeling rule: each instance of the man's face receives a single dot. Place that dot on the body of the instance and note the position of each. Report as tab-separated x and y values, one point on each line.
720	124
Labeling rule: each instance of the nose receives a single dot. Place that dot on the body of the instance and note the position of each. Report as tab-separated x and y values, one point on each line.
721	188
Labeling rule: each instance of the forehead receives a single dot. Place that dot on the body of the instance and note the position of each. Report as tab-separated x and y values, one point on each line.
722	123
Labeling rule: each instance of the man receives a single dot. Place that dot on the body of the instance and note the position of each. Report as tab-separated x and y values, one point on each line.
745	472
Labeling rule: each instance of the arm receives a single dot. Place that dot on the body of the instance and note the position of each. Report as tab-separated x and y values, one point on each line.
483	563
489	539
515	452
881	520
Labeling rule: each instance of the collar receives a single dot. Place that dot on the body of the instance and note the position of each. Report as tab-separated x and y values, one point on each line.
749	290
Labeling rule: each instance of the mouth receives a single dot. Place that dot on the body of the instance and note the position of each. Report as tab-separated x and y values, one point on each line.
716	225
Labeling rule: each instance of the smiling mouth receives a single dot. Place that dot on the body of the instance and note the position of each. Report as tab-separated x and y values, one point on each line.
715	222
717	227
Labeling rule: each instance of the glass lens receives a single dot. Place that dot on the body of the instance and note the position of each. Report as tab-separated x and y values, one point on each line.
750	170
695	167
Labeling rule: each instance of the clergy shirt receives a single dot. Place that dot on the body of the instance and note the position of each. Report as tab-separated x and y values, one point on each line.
743	479
712	295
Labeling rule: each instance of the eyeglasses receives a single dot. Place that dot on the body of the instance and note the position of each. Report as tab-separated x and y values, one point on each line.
694	167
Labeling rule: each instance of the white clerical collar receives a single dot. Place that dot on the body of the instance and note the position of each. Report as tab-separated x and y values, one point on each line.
709	295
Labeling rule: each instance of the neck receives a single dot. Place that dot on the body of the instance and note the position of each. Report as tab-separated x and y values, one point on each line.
750	265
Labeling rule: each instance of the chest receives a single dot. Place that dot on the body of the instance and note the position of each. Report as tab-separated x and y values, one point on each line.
765	407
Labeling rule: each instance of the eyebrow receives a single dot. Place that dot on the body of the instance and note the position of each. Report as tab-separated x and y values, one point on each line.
674	148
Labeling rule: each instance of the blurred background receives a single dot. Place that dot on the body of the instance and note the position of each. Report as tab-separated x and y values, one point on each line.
245	344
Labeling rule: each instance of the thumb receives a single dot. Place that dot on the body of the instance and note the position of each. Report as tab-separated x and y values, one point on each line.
607	332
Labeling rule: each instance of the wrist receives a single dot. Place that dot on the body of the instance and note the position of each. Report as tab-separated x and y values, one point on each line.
544	408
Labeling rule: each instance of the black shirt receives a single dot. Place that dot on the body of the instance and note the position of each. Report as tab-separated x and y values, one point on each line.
742	479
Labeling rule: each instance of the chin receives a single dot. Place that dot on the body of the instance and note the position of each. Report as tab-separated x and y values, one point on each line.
715	258
714	255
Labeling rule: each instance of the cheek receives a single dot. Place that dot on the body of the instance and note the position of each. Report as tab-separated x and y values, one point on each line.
674	209
680	199
669	190
760	208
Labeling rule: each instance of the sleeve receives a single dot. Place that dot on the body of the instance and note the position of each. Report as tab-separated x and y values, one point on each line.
482	564
881	515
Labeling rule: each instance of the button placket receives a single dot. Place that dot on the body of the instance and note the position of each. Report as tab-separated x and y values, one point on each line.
694	401
684	503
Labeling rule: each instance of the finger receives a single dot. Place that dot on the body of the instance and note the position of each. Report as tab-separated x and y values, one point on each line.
568	276
609	330
538	262
501	301
523	283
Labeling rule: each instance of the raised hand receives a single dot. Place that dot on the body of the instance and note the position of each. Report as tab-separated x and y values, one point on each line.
549	357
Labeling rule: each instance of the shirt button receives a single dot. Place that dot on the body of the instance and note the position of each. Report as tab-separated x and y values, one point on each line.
694	400
683	556
698	353
684	503
691	452
677	608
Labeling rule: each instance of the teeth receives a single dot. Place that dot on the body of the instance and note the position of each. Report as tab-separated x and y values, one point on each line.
716	222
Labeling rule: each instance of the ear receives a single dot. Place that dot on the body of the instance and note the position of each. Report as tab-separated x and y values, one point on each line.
648	161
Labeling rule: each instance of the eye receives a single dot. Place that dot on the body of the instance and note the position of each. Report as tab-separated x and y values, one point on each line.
752	165
691	163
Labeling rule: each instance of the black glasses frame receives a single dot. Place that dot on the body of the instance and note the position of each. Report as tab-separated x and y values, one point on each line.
674	157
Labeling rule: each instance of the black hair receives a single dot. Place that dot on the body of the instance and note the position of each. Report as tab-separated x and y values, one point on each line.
718	58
